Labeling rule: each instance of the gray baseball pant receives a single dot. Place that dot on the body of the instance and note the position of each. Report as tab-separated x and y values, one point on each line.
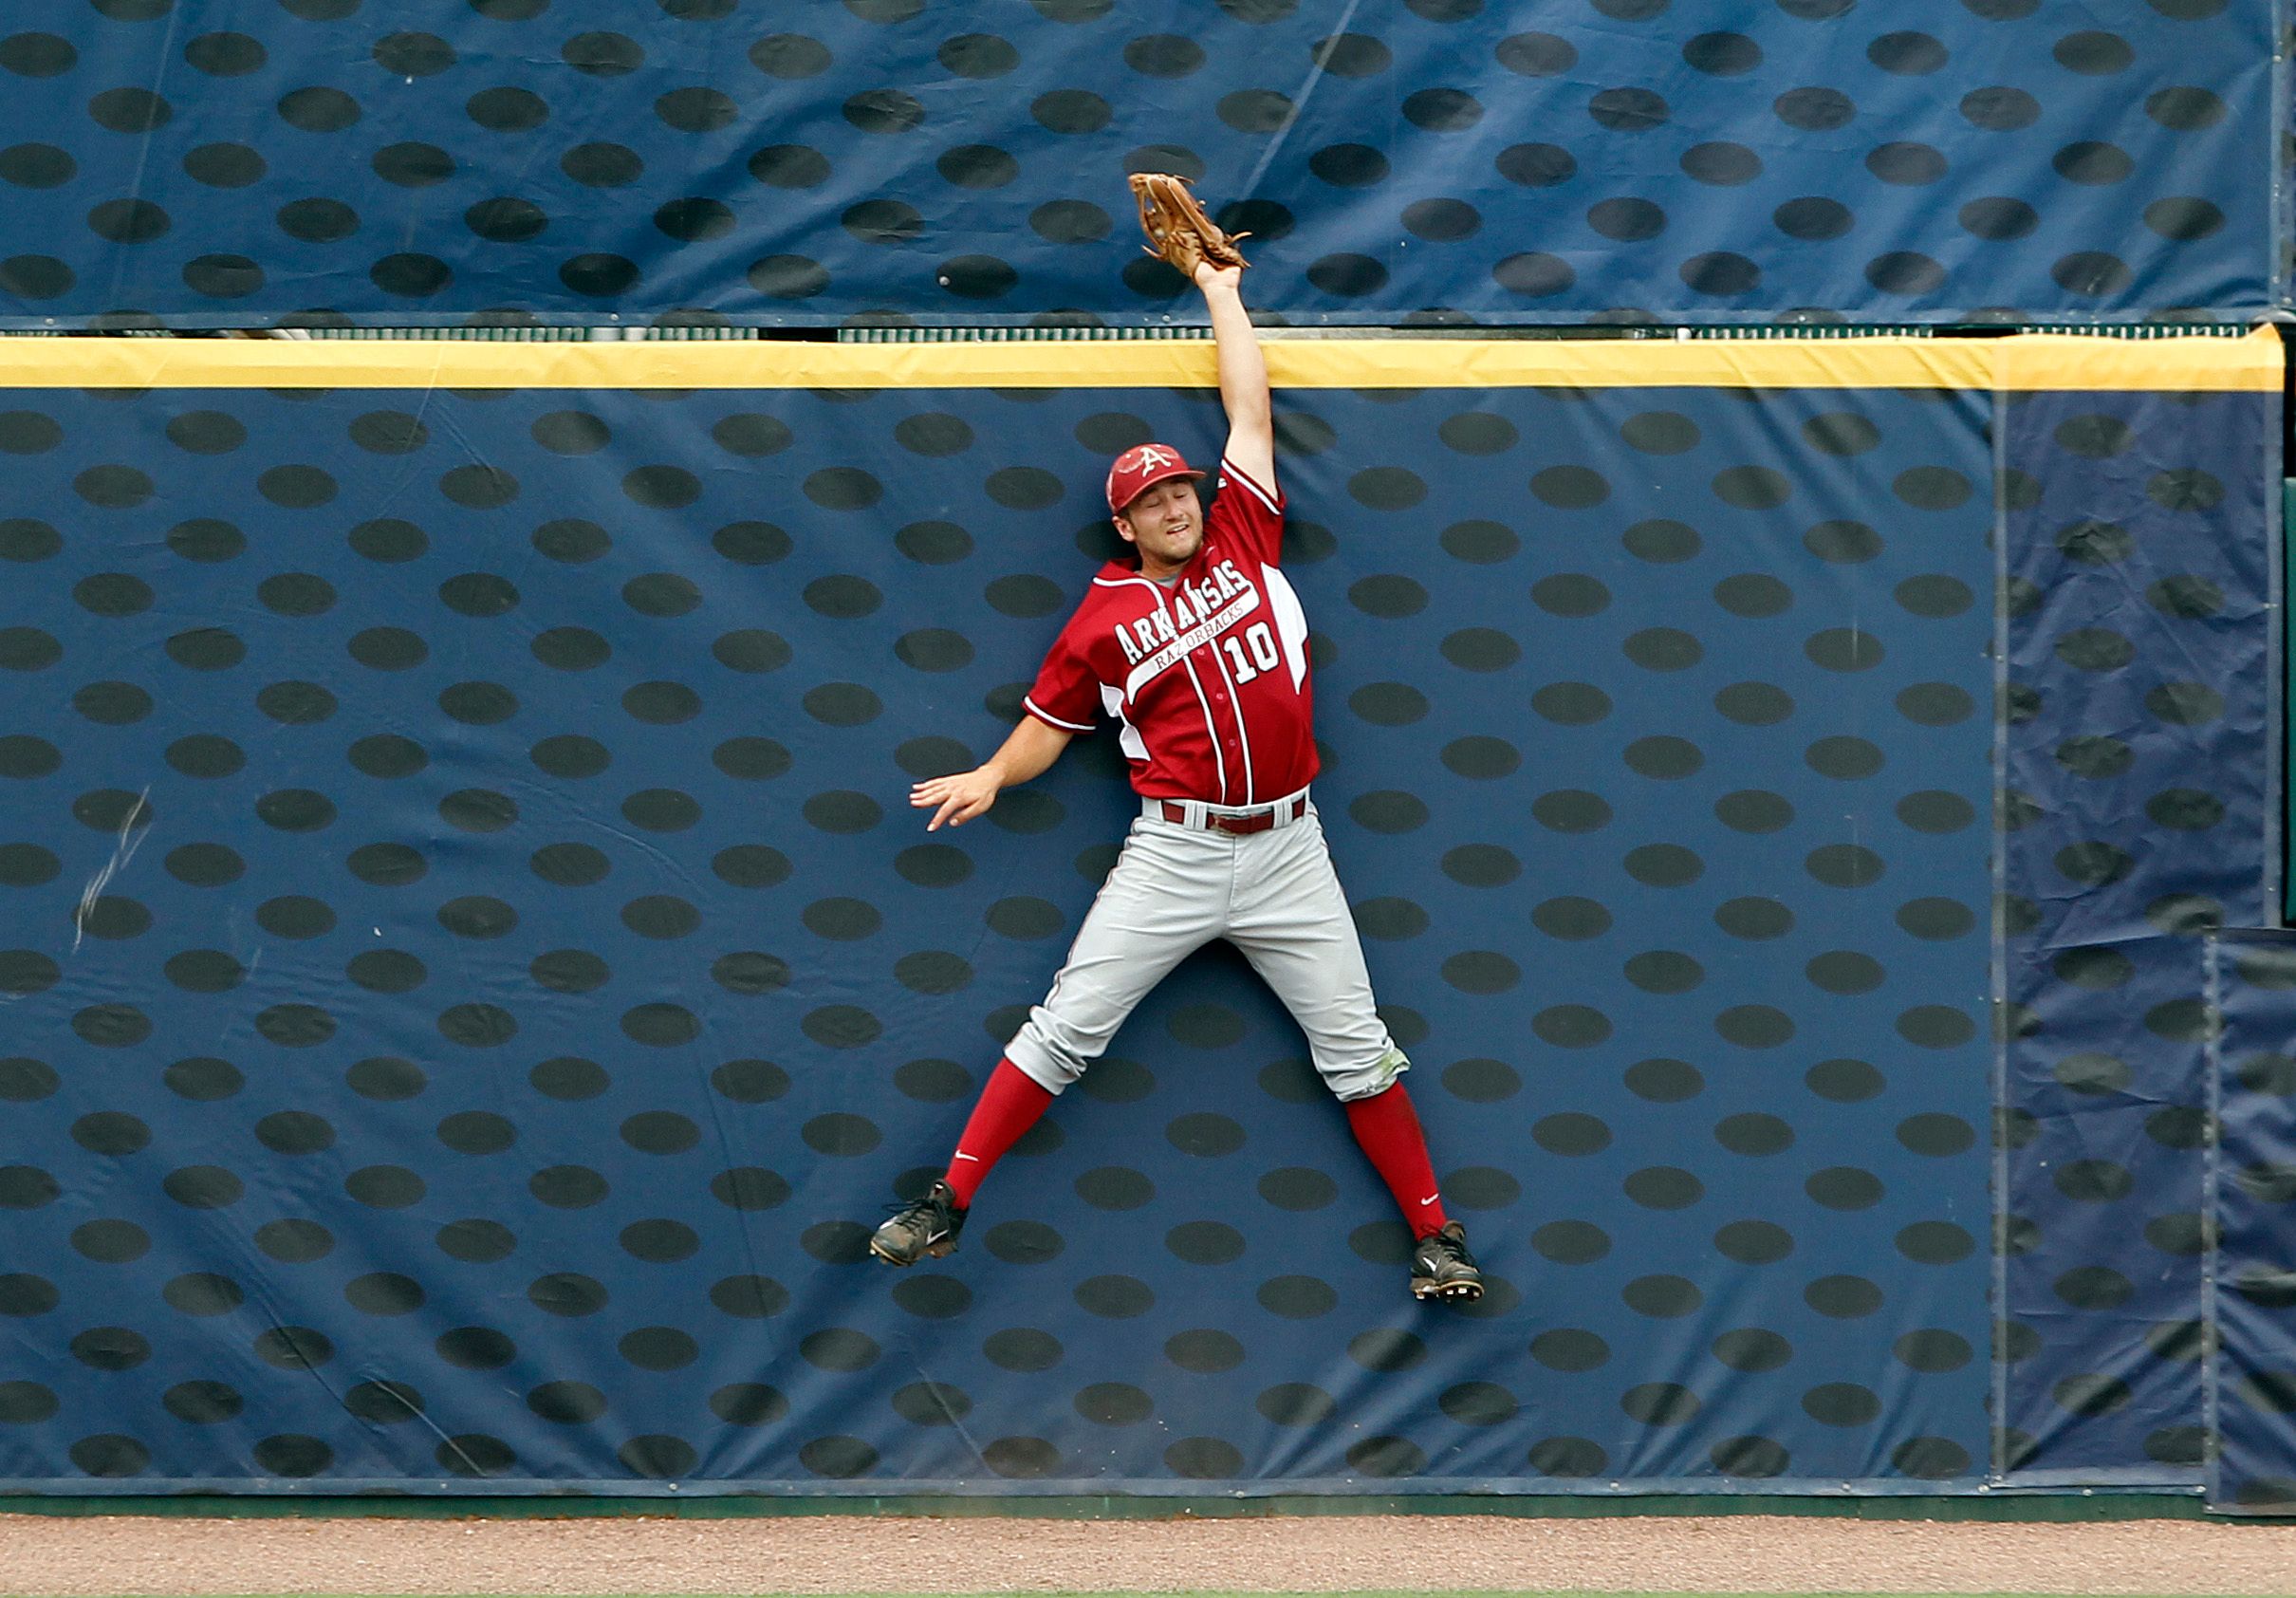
1272	894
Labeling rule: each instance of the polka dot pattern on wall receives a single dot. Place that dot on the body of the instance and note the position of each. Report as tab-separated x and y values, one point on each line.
697	162
2136	736
515	941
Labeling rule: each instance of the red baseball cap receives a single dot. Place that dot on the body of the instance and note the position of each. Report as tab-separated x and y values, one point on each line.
1141	468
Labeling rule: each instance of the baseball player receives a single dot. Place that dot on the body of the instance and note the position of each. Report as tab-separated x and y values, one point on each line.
1198	654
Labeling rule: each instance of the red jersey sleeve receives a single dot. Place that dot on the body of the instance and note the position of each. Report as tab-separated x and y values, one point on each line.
1065	695
1248	514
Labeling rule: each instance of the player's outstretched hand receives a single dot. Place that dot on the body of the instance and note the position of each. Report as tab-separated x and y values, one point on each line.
1207	274
955	800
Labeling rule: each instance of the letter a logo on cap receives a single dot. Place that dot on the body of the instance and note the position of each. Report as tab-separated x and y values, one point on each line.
1142	467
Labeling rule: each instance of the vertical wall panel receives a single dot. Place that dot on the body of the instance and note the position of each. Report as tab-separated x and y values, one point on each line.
2252	1361
2139	820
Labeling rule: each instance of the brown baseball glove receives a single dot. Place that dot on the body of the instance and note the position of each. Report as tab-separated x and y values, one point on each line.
1177	226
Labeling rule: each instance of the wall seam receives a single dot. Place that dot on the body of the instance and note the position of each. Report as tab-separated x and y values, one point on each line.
2211	1251
2001	1020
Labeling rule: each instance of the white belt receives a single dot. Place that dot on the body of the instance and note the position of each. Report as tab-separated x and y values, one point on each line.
1237	819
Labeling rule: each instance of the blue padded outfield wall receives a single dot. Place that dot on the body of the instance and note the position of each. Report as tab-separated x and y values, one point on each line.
2141	743
477	979
504	162
2252	1365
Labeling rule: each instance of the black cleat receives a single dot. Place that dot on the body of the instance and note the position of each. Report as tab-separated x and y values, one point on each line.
1442	1268
923	1229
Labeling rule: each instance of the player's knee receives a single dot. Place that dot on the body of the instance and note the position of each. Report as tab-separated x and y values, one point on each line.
1358	1080
1043	1058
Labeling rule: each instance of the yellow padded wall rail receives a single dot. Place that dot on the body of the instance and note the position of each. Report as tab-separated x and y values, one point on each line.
2020	361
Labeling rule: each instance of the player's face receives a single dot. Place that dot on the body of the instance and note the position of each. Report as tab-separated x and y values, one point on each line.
1166	524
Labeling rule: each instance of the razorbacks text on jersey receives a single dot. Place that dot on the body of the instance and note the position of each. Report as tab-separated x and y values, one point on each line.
1206	677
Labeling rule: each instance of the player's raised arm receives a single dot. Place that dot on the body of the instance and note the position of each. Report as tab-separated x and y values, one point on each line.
1031	748
1243	374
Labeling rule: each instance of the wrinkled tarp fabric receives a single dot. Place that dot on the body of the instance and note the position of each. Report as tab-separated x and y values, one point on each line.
2252	1182
2138	697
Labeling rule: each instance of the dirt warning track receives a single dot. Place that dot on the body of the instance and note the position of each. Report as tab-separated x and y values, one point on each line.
81	1557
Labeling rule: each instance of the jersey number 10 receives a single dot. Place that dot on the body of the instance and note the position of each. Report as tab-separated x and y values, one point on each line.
1262	643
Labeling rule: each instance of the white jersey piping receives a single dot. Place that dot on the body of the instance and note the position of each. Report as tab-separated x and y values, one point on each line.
1257	492
1042	714
1235	699
1212	728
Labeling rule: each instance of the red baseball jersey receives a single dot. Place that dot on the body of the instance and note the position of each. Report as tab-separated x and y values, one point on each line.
1205	680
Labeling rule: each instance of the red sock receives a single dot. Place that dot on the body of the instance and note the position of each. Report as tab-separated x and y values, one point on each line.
1008	1106
1388	1129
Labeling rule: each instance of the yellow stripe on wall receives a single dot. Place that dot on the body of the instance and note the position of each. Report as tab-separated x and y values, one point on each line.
2020	362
